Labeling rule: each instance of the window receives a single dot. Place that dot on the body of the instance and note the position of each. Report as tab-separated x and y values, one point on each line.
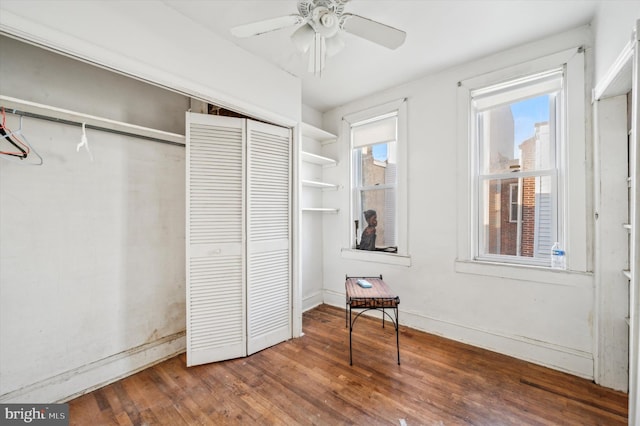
374	182
521	164
516	137
378	196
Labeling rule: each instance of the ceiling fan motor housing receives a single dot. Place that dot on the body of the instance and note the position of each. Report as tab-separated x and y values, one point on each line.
325	21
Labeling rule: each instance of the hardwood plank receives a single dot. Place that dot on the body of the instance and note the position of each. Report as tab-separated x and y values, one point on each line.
88	411
309	381
314	401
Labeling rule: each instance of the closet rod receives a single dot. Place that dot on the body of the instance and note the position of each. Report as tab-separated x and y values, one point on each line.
62	116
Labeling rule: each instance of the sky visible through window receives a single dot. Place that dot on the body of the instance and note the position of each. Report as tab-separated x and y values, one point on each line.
380	152
526	114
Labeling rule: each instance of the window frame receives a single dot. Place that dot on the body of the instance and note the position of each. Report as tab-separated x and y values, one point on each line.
357	187
402	257
510	91
572	186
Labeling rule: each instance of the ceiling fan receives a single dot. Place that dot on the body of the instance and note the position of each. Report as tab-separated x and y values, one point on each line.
321	23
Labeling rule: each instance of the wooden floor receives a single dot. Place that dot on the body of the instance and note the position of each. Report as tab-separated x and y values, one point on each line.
309	381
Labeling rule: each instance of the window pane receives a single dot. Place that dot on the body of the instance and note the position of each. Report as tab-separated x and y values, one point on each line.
531	233
518	136
377	164
383	202
515	202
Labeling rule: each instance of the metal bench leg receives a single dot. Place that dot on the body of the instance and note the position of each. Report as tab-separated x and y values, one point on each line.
397	335
350	330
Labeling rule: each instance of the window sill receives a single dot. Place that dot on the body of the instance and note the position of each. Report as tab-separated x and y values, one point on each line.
539	274
376	256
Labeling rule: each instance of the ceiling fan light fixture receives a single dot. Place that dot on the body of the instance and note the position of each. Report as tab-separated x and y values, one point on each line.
334	45
303	38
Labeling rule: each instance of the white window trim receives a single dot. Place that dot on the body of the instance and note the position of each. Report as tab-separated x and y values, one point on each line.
402	228
573	184
518	216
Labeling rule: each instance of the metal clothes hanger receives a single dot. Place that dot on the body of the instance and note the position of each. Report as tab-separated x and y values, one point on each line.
18	140
22	152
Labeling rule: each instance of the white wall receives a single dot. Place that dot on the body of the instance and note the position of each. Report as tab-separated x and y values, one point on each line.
101	244
311	116
532	314
612	28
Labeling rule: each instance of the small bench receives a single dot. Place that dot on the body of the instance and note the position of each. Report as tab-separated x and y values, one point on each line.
378	297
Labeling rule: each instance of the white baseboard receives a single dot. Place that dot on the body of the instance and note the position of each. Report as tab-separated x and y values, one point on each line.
78	381
312	300
334	298
569	360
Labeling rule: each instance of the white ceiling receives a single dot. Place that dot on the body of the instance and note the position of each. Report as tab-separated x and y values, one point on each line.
440	33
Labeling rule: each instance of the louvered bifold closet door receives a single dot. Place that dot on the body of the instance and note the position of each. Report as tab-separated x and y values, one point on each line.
268	232
215	250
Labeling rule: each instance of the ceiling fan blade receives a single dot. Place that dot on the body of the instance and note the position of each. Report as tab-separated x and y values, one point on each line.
376	32
265	26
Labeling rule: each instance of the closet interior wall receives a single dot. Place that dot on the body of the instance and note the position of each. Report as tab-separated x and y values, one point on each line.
92	281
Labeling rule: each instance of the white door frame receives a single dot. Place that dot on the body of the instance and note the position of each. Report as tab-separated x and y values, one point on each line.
621	78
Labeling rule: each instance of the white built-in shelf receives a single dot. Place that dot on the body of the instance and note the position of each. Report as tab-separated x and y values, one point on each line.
313	137
317	159
317	134
627	273
317	184
320	209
